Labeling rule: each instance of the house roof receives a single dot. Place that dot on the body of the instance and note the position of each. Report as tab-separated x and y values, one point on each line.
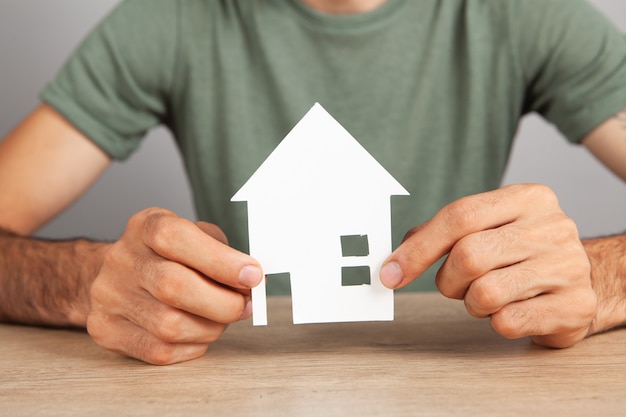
319	156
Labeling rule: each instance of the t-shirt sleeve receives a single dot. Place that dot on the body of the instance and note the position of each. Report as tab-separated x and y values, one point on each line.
574	64
114	88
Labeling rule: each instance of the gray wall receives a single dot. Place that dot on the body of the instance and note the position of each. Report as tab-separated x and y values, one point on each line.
36	36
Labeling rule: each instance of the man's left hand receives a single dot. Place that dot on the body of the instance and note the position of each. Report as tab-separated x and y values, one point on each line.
513	256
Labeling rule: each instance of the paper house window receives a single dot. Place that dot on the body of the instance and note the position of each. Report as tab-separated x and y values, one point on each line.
355	275
355	246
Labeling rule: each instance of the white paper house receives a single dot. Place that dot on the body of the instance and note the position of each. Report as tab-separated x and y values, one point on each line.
318	190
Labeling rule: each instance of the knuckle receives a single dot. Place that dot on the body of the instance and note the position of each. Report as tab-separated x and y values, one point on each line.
101	327
162	232
114	257
483	298
165	353
446	286
564	229
169	287
506	324
542	194
156	227
136	221
170	325
146	218
467	257
161	353
460	215
567	223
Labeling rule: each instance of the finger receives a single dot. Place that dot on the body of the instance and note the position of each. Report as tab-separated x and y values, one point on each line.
182	241
217	233
475	255
558	320
497	288
534	259
186	289
559	267
167	323
172	284
514	243
463	217
119	335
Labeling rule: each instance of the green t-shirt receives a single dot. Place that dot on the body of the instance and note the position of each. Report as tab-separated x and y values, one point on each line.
433	89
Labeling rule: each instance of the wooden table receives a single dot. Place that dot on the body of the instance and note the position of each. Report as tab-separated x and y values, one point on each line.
432	360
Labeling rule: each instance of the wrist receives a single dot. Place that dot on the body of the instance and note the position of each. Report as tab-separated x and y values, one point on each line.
608	279
90	255
47	282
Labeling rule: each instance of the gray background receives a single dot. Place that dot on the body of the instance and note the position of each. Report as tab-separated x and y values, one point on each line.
36	36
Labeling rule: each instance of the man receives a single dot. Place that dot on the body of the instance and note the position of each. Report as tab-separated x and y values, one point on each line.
433	89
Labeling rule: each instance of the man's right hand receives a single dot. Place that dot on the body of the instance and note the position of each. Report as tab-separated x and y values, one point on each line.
168	288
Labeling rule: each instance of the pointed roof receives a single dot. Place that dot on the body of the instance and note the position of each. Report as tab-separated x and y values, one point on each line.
319	156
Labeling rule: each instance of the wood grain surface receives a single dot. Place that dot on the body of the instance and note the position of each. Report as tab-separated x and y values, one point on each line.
432	360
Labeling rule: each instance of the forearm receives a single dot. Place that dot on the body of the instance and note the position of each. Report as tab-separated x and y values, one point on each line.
47	282
608	275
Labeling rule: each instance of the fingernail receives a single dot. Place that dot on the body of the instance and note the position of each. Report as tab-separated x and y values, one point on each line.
391	275
250	276
247	310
